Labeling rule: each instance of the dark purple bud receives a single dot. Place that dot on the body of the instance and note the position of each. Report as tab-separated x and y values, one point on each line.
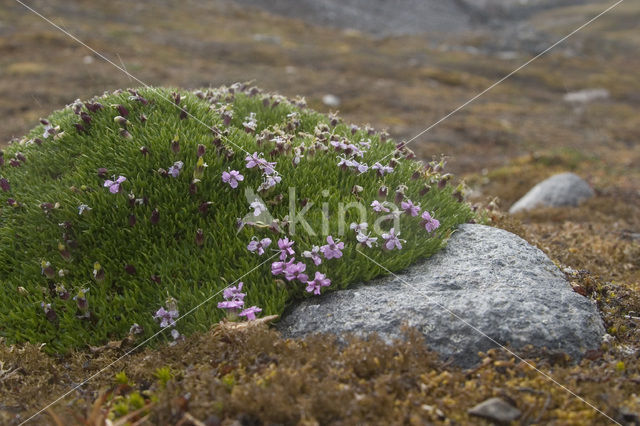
176	98
65	254
201	150
183	114
85	117
204	207
424	190
458	196
163	172
399	196
193	188
226	119
156	279
199	237
143	118
130	269
144	150
49	312
393	163
20	156
14	163
4	184
79	127
11	202
354	129
46	206
44	122
416	175
1	158
132	220
217	142
102	172
122	110
383	192
443	182
82	303
132	200
155	217
120	120
93	107
304	202
37	141
175	146
125	134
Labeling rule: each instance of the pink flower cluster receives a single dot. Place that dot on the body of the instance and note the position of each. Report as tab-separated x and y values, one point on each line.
234	301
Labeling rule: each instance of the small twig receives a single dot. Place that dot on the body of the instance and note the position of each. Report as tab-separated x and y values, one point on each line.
189	418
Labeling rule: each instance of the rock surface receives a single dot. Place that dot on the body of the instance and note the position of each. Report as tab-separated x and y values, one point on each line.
564	189
486	280
496	410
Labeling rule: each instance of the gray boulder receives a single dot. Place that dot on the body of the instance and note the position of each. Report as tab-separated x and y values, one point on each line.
564	189
486	280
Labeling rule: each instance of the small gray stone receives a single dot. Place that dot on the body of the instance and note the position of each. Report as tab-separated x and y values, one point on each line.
564	189
486	280
496	410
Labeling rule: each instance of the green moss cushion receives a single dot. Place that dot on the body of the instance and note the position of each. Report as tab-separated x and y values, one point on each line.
145	199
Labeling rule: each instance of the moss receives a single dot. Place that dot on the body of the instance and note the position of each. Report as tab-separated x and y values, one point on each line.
65	235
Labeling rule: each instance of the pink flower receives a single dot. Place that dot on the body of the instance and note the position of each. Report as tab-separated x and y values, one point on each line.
232	178
259	246
319	281
430	223
379	207
174	170
258	207
167	318
234	292
250	313
256	160
313	255
391	240
295	271
382	170
231	304
366	239
285	248
332	249
410	208
278	268
234	298
114	186
359	227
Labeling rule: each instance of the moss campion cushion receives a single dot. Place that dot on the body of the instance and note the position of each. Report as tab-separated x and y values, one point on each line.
137	200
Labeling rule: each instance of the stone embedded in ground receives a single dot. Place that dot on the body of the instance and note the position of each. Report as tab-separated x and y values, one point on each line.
493	280
564	189
586	95
496	410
